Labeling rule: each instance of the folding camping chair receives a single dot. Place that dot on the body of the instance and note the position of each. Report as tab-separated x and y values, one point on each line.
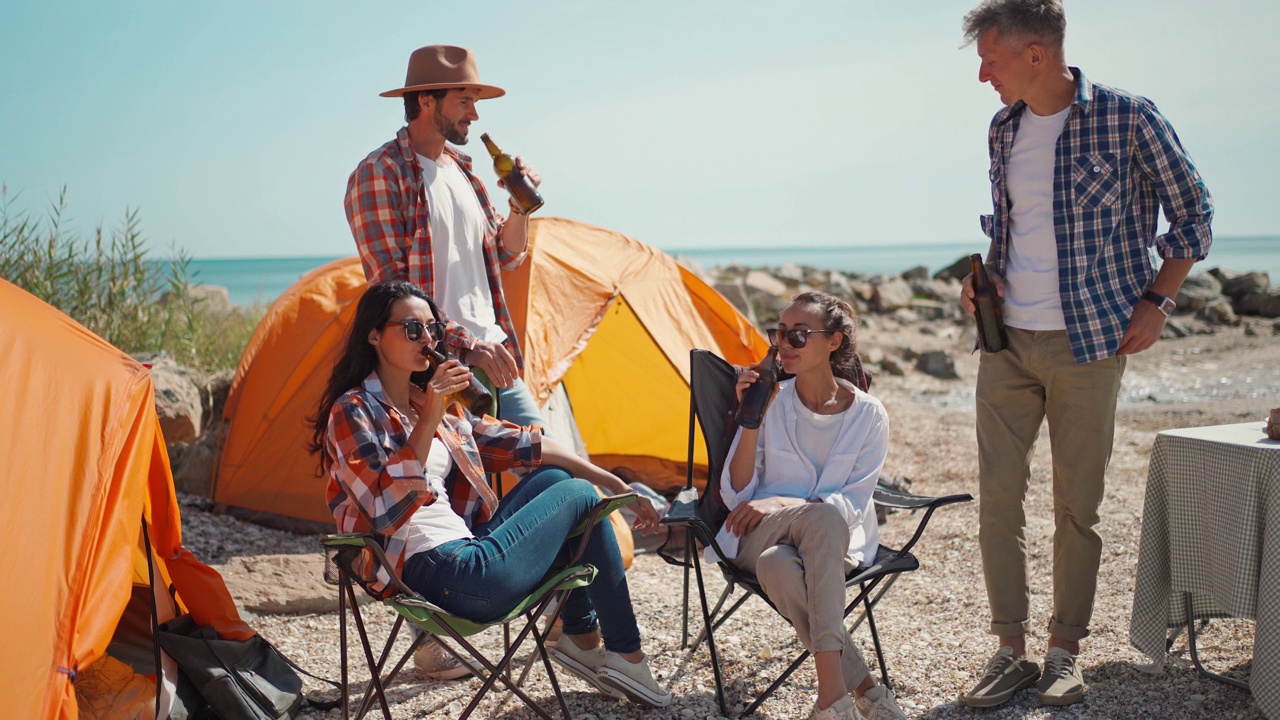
712	402
343	559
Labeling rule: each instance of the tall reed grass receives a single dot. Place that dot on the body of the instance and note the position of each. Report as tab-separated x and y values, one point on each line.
107	283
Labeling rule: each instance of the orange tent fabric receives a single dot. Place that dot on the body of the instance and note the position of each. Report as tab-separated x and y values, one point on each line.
85	466
611	317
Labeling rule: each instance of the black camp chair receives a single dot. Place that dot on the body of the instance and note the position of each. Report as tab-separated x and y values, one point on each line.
711	405
344	567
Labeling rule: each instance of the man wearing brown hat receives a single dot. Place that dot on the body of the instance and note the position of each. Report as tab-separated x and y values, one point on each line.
419	213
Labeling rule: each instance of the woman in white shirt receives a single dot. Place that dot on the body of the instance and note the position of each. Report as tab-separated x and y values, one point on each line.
799	493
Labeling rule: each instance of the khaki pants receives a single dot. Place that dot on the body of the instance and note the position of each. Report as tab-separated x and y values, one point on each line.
799	555
1035	378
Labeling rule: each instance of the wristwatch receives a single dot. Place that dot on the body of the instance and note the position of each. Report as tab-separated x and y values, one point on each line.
1166	304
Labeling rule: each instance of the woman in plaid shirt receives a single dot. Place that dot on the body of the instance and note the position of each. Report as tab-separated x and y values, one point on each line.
408	468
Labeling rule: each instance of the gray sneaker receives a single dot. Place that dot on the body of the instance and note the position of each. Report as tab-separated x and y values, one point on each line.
1005	675
585	664
1062	683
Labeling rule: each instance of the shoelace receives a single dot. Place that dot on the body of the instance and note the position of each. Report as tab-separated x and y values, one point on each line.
998	664
1058	664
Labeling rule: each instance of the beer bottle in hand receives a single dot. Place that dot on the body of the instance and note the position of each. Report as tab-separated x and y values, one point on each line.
525	196
475	397
756	398
991	337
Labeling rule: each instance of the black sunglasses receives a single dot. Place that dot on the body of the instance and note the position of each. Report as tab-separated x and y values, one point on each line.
796	337
413	329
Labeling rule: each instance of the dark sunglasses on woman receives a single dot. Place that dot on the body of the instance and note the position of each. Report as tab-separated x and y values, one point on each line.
413	329
796	337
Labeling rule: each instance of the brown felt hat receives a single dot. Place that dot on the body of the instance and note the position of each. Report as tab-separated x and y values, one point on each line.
439	67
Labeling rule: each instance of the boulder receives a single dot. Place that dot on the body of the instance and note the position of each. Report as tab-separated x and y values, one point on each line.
919	272
193	465
957	270
178	399
937	363
1246	284
1198	292
891	295
1219	312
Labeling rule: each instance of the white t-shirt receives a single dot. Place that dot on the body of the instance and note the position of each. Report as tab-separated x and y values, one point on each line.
816	434
437	523
461	282
1032	300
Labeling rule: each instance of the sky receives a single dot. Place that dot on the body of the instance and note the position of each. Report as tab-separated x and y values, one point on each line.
231	127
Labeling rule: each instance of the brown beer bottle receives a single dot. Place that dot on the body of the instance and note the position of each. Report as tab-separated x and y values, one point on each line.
990	319
475	397
756	398
525	196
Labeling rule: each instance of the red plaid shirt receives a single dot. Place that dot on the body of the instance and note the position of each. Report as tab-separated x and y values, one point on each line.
377	481
387	209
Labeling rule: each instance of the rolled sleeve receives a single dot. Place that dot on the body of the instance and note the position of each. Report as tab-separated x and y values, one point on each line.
1186	201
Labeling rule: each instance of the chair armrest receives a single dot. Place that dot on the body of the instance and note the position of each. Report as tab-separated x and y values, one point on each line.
362	542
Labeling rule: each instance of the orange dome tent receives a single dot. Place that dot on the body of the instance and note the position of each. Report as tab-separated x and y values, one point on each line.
611	317
85	470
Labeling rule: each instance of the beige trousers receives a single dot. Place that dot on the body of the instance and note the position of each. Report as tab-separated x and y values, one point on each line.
1034	378
799	555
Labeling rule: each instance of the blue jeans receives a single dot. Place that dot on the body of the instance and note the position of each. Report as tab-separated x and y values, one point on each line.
516	404
483	577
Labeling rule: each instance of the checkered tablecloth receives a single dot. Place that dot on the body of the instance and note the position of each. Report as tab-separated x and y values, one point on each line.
1211	527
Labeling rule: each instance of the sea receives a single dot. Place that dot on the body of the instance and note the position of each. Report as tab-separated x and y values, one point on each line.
252	281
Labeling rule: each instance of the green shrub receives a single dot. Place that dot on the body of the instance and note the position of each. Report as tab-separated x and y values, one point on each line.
108	284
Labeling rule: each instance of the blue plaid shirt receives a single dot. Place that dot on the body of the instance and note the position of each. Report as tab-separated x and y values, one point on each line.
1117	161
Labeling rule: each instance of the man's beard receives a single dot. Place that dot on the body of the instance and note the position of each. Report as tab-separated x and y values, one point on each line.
451	131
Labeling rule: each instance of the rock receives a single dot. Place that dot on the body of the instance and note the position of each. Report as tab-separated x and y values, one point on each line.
1174	329
1270	305
281	584
891	295
839	284
1219	312
791	273
919	272
1248	283
1198	292
937	363
193	466
762	281
892	367
178	400
905	316
957	270
862	290
929	309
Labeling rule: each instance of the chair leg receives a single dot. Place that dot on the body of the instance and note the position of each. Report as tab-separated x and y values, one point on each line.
795	665
375	681
722	617
711	641
875	639
344	587
684	616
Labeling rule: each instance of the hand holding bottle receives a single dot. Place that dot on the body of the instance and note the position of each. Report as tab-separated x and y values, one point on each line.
456	378
756	388
515	175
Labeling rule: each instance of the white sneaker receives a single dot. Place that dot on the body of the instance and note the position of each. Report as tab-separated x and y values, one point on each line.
635	680
437	663
585	664
842	709
879	704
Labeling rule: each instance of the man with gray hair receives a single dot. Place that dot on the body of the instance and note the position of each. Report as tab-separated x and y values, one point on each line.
1079	173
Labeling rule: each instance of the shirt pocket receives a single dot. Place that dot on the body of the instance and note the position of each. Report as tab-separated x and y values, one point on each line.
1097	179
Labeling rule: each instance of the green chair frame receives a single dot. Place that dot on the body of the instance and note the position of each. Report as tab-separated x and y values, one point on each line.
342	550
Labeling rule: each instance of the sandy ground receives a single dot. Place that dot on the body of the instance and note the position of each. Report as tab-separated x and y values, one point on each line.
933	622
